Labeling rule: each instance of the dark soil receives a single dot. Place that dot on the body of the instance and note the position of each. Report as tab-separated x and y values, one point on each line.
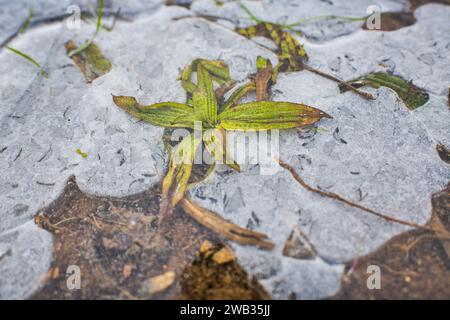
414	265
116	244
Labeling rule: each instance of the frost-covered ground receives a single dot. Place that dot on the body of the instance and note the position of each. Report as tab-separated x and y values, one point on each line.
376	153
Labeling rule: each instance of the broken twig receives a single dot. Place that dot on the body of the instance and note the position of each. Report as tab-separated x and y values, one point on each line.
223	227
337	197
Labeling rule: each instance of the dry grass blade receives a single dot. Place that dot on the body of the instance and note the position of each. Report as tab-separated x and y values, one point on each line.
225	228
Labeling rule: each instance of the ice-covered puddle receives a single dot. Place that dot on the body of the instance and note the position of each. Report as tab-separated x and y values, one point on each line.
378	154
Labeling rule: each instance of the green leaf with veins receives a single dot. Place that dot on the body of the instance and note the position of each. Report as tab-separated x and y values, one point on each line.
203	105
175	182
215	142
268	115
413	96
164	114
204	98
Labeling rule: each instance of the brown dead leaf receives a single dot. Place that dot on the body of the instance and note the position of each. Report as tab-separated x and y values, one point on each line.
443	153
298	246
391	21
91	61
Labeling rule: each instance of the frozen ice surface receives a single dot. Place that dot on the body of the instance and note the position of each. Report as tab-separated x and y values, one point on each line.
377	153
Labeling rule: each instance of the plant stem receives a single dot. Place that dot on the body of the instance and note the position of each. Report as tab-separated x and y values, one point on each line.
365	95
250	14
97	30
302	21
223	227
26	23
325	17
337	197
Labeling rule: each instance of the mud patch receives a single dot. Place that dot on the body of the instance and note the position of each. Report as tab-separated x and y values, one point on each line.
413	265
443	152
414	4
391	21
210	277
116	245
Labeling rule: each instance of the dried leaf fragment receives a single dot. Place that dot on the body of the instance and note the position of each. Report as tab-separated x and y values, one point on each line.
443	153
223	227
291	54
298	246
91	61
263	78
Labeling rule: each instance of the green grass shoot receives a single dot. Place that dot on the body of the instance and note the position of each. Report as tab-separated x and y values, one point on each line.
26	23
97	30
302	21
27	57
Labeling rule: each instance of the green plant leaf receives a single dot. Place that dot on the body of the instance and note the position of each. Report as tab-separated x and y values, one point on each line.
413	96
204	98
237	95
27	57
81	153
266	115
176	181
26	23
216	144
164	114
218	70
